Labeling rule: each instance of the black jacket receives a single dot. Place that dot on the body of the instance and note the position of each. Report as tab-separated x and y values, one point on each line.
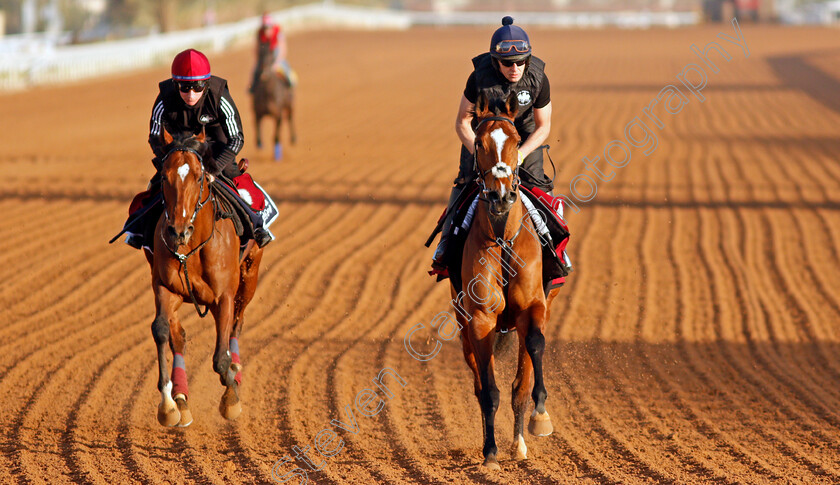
215	112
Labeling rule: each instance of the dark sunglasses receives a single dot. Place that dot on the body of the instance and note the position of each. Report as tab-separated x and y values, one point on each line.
506	46
510	63
187	86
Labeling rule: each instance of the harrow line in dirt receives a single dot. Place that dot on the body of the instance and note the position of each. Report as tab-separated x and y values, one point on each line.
724	256
363	294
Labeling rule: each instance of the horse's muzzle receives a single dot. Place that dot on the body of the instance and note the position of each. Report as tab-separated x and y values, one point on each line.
179	238
500	206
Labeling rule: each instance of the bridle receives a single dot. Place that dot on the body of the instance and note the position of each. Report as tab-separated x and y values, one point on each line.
514	185
501	222
182	258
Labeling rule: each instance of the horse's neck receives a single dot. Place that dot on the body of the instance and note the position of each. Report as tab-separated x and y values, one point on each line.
512	222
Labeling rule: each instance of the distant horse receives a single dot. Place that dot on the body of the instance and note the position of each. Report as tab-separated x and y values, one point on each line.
273	97
197	258
502	262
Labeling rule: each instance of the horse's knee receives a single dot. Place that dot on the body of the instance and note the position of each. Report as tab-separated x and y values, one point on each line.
535	342
160	329
489	400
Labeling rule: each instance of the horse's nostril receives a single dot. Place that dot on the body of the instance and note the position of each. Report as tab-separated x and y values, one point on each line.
190	229
171	230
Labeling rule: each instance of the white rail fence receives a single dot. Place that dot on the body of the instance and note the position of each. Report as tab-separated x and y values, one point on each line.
26	62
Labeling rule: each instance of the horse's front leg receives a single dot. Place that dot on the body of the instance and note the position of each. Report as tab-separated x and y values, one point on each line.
257	126
540	422
180	388
223	364
482	335
290	113
167	304
278	147
519	390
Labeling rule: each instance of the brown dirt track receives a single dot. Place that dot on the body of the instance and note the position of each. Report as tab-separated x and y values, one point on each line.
696	342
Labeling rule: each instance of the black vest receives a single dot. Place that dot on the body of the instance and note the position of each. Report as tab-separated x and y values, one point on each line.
494	85
491	82
180	118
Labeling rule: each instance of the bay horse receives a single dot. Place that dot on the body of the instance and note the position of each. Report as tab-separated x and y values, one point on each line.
503	265
197	258
272	97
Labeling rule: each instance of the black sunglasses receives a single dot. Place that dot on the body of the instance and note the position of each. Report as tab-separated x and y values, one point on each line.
510	63
187	86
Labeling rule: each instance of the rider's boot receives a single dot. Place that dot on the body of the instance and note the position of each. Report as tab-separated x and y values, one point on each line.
438	262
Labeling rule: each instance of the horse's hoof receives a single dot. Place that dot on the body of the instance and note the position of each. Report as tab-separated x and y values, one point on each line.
230	406
168	414
491	463
540	424
184	409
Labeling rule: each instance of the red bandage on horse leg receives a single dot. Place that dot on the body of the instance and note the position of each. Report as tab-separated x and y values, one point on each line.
179	376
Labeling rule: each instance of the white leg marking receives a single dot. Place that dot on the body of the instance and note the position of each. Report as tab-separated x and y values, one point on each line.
521	449
166	393
183	170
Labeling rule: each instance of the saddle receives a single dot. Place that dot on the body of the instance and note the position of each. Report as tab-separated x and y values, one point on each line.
228	193
552	229
146	208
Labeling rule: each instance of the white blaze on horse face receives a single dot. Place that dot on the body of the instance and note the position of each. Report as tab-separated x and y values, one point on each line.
185	212
499	137
183	170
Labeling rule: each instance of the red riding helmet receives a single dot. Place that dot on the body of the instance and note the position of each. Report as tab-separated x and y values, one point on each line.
190	65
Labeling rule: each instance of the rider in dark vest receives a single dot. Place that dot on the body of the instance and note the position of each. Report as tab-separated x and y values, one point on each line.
507	67
191	101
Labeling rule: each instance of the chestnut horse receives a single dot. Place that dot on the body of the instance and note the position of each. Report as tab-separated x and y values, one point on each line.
196	258
273	97
503	265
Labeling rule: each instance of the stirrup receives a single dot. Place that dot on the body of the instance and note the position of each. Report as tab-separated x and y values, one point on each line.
439	269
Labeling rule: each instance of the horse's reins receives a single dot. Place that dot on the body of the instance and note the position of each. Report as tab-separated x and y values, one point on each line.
182	258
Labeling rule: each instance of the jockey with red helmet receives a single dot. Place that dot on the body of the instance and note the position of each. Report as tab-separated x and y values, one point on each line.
508	67
270	37
191	101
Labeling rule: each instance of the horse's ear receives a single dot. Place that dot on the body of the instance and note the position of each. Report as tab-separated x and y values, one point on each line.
165	136
481	105
201	137
512	105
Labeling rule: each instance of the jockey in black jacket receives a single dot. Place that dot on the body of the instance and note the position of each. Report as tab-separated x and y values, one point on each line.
190	101
507	67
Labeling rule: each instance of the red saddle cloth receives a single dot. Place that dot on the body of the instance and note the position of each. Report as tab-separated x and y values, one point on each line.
249	192
139	201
